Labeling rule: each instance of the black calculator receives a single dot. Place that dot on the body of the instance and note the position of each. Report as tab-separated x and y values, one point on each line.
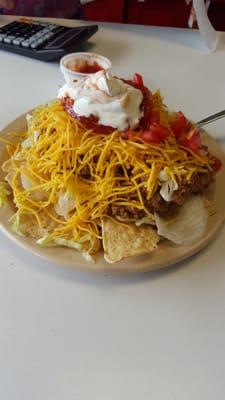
43	40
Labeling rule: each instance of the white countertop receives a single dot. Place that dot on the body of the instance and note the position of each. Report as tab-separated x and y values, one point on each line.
71	335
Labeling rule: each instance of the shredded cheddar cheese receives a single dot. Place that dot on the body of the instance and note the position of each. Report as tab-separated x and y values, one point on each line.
96	170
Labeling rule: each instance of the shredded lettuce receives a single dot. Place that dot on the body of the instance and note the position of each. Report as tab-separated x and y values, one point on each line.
88	257
66	203
4	192
29	118
27	184
49	241
36	136
28	142
149	220
57	241
15	220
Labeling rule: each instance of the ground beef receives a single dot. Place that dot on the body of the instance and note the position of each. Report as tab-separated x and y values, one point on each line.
200	182
161	206
126	213
197	185
85	172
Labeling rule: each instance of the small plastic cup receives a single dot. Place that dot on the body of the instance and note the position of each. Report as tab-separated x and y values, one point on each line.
75	66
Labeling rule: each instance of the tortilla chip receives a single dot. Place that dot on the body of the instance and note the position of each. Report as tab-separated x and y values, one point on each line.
126	240
27	225
187	226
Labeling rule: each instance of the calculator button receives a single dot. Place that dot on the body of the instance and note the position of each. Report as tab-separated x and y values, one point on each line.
52	27
46	30
9	39
2	36
35	36
40	41
26	43
34	45
41	33
18	40
47	36
24	35
32	32
37	43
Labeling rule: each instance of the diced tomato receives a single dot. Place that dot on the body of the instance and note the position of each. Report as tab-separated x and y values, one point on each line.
179	124
191	140
216	163
146	105
128	81
154	117
155	134
147	110
138	80
138	83
129	134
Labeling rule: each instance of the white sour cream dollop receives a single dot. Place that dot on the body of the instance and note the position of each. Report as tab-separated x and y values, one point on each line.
114	102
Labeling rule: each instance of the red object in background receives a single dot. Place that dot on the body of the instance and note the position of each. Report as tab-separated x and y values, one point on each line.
104	10
151	12
42	8
158	12
216	14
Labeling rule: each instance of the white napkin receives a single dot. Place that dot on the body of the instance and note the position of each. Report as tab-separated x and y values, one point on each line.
209	35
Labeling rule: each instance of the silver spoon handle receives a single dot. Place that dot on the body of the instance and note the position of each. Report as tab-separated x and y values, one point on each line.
211	118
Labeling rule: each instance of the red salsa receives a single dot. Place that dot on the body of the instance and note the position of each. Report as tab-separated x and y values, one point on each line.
85	67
